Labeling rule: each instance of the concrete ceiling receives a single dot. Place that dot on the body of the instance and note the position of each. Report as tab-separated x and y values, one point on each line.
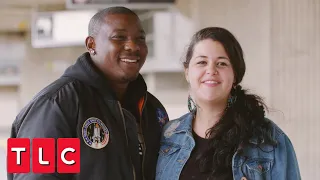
15	15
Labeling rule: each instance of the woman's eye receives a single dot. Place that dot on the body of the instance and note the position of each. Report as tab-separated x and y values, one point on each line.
222	64
202	62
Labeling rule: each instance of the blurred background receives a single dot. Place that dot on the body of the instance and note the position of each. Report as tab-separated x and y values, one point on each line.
39	39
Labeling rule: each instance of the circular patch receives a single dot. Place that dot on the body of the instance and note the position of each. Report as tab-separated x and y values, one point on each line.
95	134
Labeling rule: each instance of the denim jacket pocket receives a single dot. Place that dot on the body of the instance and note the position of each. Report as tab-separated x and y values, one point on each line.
168	149
166	155
259	168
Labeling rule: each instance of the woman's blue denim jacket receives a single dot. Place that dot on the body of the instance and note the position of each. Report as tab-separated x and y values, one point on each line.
263	162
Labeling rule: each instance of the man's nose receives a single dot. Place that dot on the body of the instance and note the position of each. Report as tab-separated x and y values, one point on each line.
131	46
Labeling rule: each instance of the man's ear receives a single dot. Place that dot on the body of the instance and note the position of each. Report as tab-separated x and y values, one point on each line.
90	43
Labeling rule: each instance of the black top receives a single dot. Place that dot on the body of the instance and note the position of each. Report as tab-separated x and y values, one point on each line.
191	170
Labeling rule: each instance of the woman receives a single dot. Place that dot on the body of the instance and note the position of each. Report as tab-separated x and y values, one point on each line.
226	134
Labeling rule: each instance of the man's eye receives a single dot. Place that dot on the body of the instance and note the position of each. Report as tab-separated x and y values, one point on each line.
119	37
142	38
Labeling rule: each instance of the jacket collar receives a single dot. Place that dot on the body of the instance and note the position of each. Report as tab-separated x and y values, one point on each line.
185	125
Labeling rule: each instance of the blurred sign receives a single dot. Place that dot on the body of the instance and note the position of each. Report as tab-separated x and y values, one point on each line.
132	4
58	29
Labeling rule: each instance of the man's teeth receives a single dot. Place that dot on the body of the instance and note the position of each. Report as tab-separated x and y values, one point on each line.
211	82
129	60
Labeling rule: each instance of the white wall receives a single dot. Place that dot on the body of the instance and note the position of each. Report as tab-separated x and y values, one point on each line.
8	106
295	77
12	52
281	43
172	90
42	66
249	21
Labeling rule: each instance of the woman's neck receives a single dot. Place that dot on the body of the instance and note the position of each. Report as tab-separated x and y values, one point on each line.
206	117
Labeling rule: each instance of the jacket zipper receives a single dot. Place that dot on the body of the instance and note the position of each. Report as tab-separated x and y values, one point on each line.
144	144
125	131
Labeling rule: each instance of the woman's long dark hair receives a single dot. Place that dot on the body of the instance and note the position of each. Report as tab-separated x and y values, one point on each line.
242	120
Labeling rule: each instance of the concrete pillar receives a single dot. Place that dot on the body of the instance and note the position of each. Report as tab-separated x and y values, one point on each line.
295	76
281	43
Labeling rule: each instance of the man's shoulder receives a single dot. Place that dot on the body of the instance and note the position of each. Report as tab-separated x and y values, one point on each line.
153	99
60	91
155	102
157	107
62	87
62	95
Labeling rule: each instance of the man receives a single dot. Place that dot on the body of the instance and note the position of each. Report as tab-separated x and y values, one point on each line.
102	89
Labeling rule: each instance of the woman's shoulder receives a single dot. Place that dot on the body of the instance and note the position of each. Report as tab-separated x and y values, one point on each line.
182	123
284	152
275	130
180	119
277	133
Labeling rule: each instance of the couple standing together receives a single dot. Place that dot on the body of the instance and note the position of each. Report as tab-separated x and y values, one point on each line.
224	136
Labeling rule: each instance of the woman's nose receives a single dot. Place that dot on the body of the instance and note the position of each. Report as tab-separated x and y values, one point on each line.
212	69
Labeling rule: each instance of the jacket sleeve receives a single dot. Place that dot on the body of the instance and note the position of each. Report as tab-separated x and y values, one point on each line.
286	164
41	119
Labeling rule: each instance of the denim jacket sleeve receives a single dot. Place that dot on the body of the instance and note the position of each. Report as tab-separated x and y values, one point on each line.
286	164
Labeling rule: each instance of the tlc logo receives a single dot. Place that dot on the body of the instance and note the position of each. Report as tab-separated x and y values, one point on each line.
43	155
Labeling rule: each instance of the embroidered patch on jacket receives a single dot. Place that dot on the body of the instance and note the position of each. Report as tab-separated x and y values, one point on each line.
95	133
169	131
162	117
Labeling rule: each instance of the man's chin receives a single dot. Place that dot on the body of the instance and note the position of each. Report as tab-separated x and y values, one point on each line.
130	78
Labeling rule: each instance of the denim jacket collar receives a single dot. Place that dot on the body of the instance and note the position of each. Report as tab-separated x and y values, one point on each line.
185	125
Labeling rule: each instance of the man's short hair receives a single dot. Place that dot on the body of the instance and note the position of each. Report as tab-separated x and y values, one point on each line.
98	19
